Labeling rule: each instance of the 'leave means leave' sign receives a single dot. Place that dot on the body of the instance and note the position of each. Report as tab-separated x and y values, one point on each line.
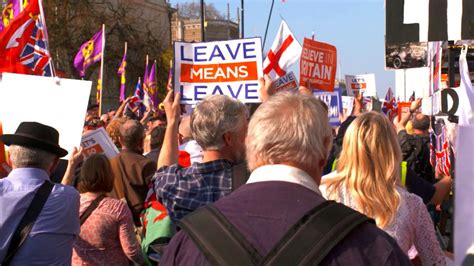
226	67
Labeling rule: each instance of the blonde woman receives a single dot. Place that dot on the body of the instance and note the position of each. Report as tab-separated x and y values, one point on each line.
367	179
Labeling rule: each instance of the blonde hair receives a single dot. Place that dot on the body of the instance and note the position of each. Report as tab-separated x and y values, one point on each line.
288	128
369	168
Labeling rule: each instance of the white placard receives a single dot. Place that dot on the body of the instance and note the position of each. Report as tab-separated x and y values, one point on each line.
98	141
59	103
464	196
347	104
230	68
361	83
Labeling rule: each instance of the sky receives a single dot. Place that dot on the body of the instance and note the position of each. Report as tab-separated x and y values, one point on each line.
355	27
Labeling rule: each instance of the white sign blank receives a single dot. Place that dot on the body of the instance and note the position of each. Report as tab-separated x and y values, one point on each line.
60	103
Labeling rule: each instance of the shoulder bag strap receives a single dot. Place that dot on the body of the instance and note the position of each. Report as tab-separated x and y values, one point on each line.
310	240
28	220
219	241
94	204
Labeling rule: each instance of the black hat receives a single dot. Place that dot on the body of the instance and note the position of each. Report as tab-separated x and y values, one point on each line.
35	135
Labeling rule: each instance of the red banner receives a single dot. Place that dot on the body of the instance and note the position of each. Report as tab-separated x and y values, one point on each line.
318	65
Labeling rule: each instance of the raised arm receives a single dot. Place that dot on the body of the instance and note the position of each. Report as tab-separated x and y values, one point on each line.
402	122
146	116
266	88
121	108
74	161
169	150
443	187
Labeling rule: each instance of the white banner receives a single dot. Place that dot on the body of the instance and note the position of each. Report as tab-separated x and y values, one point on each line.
226	67
361	83
98	141
464	196
59	103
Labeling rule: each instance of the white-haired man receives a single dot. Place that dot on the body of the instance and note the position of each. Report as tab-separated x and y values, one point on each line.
279	217
219	126
27	197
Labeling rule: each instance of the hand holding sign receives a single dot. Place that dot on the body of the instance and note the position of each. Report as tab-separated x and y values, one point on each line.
266	88
77	156
172	107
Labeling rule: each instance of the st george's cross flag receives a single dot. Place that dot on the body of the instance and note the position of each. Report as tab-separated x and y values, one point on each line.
284	52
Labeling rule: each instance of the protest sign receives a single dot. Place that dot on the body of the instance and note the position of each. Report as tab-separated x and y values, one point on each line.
287	82
361	83
464	186
427	21
334	103
403	108
98	141
60	103
403	56
318	65
347	105
226	67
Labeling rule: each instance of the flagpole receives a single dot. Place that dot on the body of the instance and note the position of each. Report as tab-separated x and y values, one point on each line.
123	74
268	24
101	74
46	38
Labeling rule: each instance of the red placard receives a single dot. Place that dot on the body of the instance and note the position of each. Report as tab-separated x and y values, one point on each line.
403	107
93	150
318	65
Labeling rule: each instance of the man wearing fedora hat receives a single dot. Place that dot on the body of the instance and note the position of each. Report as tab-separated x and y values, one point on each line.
34	153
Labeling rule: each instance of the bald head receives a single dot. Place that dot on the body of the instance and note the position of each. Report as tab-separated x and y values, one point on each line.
185	127
421	123
131	135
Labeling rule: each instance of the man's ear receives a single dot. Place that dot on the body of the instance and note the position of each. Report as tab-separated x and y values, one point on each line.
54	165
227	137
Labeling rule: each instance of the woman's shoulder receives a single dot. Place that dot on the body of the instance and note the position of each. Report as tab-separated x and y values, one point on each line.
108	205
410	198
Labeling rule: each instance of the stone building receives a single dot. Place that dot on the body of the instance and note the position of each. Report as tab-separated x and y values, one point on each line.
189	30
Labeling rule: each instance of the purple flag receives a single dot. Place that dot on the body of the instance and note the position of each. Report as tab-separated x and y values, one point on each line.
151	86
121	72
89	53
11	10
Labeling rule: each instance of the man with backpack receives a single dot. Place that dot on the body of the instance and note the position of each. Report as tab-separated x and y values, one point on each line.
279	217
416	147
416	151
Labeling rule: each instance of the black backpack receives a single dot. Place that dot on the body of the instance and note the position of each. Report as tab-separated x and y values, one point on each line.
307	242
416	152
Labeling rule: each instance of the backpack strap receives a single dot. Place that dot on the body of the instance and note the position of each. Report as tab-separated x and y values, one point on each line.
219	241
94	204
310	240
28	220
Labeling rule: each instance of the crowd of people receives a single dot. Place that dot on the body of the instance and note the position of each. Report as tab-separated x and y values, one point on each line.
227	186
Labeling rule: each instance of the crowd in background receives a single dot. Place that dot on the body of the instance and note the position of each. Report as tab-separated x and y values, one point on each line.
260	173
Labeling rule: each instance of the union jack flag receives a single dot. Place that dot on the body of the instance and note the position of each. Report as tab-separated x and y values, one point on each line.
35	54
390	106
137	99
